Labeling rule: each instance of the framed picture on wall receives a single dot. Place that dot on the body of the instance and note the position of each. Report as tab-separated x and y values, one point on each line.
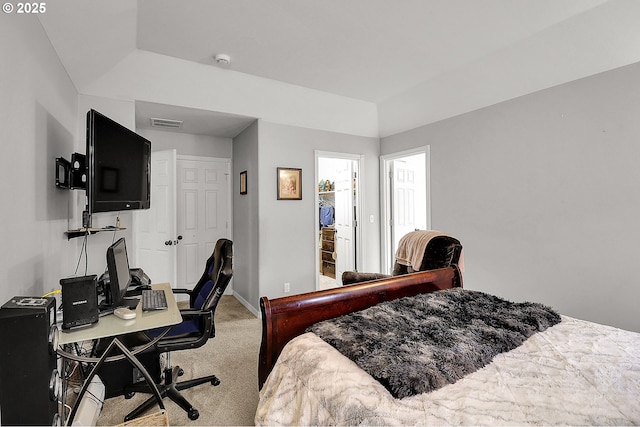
289	184
243	182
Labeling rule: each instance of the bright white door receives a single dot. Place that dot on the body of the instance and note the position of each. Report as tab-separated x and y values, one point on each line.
404	190
155	228
203	212
406	201
344	220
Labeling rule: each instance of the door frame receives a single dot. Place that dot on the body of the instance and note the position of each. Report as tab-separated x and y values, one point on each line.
386	206
360	190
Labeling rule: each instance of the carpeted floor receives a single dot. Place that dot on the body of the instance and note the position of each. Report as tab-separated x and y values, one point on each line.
232	355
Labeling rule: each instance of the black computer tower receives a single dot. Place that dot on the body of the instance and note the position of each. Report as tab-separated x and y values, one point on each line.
118	376
30	386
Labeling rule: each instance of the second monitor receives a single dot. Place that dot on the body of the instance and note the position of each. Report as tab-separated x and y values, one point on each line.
119	276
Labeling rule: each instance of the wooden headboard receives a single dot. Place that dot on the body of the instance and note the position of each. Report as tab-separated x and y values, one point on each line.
285	318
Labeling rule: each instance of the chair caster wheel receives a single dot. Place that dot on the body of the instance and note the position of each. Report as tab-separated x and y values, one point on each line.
215	381
180	372
129	395
193	414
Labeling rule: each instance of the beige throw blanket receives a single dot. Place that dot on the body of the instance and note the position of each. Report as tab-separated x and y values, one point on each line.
412	246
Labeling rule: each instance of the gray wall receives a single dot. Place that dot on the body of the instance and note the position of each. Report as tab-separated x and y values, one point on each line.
38	107
543	192
188	144
287	228
245	218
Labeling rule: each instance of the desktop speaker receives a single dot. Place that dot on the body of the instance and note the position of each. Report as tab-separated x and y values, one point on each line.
78	172
30	386
79	301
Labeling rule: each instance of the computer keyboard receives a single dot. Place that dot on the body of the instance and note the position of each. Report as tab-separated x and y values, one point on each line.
153	299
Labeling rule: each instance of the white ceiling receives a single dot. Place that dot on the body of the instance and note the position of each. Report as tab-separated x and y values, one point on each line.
364	49
370	50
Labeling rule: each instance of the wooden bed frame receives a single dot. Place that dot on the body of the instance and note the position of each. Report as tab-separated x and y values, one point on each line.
285	318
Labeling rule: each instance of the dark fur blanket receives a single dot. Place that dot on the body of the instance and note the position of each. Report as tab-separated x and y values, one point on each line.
418	344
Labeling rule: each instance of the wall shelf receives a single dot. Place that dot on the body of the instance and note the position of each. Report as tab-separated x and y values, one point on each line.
79	232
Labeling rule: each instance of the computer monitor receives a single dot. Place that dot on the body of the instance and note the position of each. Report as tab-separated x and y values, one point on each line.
119	275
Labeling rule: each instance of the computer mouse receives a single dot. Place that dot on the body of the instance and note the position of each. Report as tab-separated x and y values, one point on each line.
124	313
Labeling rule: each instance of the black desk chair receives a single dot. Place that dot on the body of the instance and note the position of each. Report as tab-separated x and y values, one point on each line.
196	328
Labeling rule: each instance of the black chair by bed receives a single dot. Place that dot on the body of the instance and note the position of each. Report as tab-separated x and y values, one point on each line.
196	328
438	250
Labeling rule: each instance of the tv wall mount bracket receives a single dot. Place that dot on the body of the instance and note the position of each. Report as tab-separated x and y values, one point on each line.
72	174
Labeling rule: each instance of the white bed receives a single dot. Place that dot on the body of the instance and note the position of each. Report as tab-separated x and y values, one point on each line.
574	373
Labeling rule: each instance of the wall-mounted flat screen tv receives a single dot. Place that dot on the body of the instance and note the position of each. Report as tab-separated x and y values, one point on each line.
119	166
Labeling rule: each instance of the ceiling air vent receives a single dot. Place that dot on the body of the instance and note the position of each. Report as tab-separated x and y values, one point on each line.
166	123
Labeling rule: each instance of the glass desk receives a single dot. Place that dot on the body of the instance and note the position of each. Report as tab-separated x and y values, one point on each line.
112	326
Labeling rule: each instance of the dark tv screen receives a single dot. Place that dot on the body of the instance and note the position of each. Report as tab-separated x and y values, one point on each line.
119	166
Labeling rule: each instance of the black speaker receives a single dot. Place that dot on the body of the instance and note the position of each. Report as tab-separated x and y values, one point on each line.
78	172
79	301
30	385
63	172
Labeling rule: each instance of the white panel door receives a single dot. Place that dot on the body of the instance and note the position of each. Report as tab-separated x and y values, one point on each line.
203	212
344	236
404	195
155	229
409	198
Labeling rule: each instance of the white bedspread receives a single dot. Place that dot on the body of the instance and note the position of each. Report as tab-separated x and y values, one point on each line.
575	373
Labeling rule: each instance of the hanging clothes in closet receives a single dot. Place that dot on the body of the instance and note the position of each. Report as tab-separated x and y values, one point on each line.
327	211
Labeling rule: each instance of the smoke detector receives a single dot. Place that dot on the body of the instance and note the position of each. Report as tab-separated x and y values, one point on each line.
166	123
223	59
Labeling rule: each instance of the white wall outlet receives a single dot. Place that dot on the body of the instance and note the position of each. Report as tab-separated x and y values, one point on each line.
287	287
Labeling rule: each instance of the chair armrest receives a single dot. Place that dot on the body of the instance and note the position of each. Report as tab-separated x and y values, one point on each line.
194	312
181	291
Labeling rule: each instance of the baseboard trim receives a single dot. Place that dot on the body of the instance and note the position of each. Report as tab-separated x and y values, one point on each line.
247	305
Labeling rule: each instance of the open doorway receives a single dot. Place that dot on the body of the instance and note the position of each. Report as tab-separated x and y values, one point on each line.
337	201
406	198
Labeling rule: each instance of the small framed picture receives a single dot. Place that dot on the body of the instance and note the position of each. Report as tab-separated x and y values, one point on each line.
289	184
243	182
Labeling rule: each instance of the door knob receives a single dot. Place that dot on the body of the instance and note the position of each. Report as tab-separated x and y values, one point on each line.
173	242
